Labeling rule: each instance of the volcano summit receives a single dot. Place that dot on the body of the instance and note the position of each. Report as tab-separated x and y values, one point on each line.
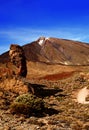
55	51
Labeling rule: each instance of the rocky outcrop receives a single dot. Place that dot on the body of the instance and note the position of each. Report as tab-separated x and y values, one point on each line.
17	57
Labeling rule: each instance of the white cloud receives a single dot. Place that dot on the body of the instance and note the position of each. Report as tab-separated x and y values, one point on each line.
3	48
21	35
26	35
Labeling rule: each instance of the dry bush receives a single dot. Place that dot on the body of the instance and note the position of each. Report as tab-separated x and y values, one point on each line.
27	104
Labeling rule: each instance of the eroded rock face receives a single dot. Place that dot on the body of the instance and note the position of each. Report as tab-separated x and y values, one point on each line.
17	57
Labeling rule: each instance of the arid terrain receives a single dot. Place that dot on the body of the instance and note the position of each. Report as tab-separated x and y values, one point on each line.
57	84
60	85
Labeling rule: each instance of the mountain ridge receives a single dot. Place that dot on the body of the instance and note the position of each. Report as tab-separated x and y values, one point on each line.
55	51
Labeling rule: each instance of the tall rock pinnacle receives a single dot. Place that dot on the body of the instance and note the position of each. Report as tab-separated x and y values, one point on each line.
18	59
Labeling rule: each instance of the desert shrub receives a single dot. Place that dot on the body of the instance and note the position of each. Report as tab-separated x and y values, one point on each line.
27	104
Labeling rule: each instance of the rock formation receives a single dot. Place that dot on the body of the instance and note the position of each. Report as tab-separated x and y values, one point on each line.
82	95
18	59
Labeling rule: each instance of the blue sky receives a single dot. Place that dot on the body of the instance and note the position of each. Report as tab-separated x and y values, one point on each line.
23	21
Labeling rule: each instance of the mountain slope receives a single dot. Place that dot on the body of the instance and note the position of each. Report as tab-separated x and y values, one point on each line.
55	51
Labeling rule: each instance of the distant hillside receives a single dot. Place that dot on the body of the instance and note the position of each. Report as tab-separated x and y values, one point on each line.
4	57
55	51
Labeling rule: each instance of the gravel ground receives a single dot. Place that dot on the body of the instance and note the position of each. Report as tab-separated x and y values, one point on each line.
62	113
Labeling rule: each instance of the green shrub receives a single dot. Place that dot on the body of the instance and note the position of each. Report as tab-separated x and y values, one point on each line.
27	104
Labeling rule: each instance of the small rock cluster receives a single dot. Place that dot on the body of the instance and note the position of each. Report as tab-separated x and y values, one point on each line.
18	58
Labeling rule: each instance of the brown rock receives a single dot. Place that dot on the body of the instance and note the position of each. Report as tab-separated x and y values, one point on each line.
17	57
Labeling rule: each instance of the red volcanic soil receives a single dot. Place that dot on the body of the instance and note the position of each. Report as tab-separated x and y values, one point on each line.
59	76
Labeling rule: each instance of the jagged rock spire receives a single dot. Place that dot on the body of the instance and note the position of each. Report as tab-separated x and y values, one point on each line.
17	57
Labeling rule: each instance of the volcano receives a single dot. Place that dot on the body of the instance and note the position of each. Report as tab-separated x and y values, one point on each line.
55	51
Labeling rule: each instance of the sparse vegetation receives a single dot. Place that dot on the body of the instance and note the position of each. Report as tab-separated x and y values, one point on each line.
61	112
27	104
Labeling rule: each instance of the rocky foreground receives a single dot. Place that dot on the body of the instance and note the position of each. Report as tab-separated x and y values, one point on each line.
48	98
62	111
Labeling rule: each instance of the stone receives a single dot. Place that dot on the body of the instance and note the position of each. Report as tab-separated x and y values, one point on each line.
18	59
